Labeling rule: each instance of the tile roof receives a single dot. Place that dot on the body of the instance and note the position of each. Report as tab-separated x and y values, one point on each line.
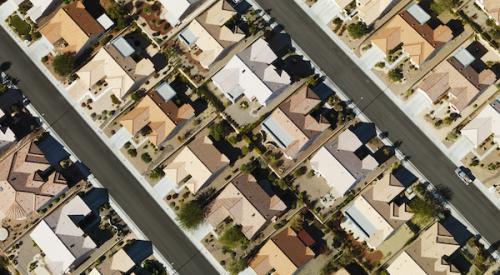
214	20
398	31
71	27
371	10
485	124
285	253
231	202
493	9
148	113
428	251
404	264
102	67
269	206
23	189
445	79
177	114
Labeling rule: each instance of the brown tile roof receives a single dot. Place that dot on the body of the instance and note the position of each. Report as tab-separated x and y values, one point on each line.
288	241
284	253
399	31
214	20
269	206
207	153
22	188
178	114
83	19
298	107
428	251
436	37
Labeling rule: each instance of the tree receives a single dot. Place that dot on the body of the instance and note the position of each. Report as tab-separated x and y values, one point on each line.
220	130
357	30
236	266
395	75
154	267
63	64
190	215
132	152
440	6
156	173
146	157
233	237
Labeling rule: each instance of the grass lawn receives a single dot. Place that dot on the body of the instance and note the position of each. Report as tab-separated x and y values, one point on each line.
19	25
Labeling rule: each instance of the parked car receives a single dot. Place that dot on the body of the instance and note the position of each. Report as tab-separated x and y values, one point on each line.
463	175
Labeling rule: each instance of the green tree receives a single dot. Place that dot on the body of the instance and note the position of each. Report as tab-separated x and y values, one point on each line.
236	266
395	75
156	173
154	267
233	237
63	64
146	157
357	30
440	6
190	215
220	130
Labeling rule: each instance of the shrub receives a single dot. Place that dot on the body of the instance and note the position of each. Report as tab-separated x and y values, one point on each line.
395	75
146	157
236	266
115	100
154	267
220	130
440	6
190	215
233	237
132	152
156	173
357	30
210	97
63	64
20	26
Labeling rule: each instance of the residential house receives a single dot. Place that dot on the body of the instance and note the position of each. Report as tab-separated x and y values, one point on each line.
72	28
27	182
130	256
370	10
7	137
492	8
177	10
283	254
374	215
291	126
208	36
148	114
484	125
432	248
462	77
404	264
344	161
196	164
134	55
63	236
412	30
445	80
247	204
100	76
251	73
40	8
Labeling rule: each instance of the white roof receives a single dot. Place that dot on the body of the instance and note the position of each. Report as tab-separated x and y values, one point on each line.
486	123
236	79
174	9
418	13
404	264
464	57
56	253
335	174
39	7
105	21
123	47
366	222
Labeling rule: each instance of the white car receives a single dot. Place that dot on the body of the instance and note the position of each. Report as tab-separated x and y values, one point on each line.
463	176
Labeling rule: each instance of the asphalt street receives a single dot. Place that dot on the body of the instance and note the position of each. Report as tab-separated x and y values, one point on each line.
473	205
108	169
